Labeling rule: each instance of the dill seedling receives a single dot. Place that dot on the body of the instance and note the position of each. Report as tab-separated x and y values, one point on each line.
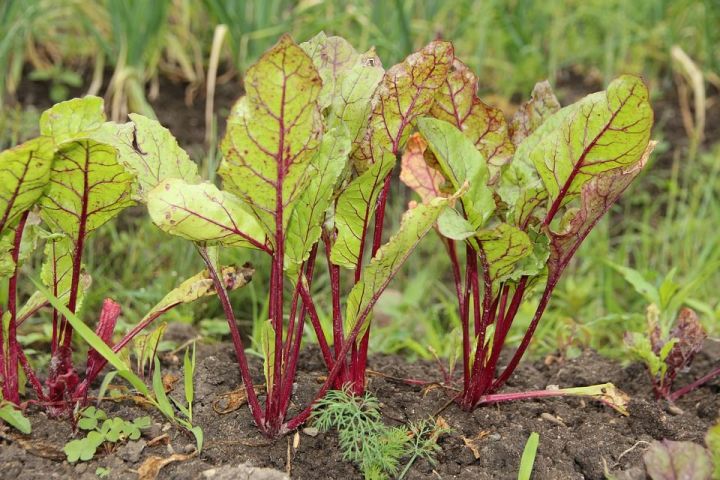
370	444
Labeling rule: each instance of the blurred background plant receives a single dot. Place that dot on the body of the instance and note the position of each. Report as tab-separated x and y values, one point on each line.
661	243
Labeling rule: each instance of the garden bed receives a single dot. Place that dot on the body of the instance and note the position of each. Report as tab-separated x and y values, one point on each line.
579	439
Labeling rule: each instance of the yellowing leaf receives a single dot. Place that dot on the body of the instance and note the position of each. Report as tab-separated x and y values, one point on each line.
202	213
273	133
456	102
534	112
417	173
201	285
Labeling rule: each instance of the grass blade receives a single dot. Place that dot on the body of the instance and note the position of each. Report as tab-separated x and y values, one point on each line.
528	457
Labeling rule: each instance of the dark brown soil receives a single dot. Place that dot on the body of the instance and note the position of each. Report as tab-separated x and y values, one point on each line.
579	439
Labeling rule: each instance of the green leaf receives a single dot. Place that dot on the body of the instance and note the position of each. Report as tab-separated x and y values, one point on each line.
150	151
640	348
163	403
273	133
375	277
638	282
202	213
504	246
15	418
669	460
305	227
201	285
87	189
406	92
534	112
199	437
604	131
457	102
73	119
24	174
354	209
267	342
188	374
461	162
453	225
528	456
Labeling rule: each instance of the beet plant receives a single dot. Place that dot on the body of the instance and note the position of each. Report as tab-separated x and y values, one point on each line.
58	189
667	352
307	159
538	186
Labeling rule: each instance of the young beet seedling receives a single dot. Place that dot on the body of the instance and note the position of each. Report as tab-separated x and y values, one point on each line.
537	188
59	188
307	159
666	355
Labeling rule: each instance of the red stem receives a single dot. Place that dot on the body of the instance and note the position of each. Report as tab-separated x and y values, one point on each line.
697	383
527	337
65	328
31	376
11	391
315	320
237	341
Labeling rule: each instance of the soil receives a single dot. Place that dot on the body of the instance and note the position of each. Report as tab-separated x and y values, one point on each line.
579	438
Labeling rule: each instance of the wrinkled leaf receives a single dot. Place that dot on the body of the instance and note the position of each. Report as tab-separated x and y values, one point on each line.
456	102
503	246
150	151
669	460
406	92
417	173
24	174
461	162
354	209
534	112
305	225
273	133
202	213
415	223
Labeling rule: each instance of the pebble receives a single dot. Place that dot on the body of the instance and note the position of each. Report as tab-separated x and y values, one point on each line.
311	431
